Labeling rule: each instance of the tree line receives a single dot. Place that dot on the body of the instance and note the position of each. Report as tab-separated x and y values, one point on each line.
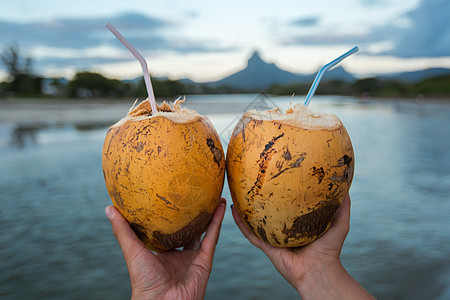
23	82
436	87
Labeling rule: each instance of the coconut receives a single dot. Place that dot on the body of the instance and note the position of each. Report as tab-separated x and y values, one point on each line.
288	173
164	172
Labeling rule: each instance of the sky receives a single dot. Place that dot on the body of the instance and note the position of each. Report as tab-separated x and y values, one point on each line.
207	40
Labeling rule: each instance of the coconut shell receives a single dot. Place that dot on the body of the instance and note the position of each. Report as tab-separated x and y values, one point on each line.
164	173
288	173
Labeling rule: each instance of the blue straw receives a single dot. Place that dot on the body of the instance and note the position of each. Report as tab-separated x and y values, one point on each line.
325	68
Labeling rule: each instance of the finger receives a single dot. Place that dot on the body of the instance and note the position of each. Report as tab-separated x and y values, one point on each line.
247	233
342	218
340	225
211	238
128	241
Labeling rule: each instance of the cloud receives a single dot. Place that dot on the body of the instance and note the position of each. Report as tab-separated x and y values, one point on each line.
373	2
305	21
322	39
429	32
70	41
193	14
421	32
79	33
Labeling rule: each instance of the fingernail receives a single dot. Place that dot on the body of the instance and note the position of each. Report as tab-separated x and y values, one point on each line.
108	212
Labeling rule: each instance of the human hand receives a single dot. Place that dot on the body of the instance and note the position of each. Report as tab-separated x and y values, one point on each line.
175	274
314	270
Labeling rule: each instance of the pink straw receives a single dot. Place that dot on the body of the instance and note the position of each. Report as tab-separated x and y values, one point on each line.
144	66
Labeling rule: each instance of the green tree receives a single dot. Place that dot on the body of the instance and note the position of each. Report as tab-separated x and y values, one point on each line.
367	85
162	88
391	88
289	89
10	58
91	84
436	86
21	79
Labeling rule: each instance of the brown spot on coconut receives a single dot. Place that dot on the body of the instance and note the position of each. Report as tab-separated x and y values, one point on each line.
164	172
289	200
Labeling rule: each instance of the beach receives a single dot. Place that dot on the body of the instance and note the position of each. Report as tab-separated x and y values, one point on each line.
96	111
58	244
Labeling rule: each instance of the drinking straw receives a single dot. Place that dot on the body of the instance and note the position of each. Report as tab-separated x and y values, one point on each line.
144	66
325	68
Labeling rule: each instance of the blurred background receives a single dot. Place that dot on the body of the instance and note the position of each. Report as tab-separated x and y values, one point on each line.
64	78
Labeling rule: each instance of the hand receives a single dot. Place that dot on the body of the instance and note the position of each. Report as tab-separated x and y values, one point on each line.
175	274
314	270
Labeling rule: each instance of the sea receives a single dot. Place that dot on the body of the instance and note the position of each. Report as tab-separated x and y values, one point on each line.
56	243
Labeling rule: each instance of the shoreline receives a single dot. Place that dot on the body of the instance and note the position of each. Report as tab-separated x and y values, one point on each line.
98	111
105	112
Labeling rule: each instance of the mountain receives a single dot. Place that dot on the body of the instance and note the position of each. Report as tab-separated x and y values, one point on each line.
416	76
337	73
259	74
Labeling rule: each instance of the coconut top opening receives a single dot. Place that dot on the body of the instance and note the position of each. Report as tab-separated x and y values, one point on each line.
174	112
298	116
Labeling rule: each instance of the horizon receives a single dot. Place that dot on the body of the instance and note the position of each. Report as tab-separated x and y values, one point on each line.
193	41
140	76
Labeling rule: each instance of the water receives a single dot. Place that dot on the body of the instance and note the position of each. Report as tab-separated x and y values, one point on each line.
56	243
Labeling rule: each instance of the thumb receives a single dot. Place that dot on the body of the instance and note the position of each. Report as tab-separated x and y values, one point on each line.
340	225
128	241
253	239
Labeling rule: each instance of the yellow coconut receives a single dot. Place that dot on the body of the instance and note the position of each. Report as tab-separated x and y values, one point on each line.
288	173
164	172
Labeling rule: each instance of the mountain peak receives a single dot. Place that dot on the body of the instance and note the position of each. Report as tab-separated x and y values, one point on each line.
259	74
255	58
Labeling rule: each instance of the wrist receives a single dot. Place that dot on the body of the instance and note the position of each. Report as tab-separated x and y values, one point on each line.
318	282
330	280
169	295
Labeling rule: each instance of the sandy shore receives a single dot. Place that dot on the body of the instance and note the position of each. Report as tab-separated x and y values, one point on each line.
92	112
105	112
